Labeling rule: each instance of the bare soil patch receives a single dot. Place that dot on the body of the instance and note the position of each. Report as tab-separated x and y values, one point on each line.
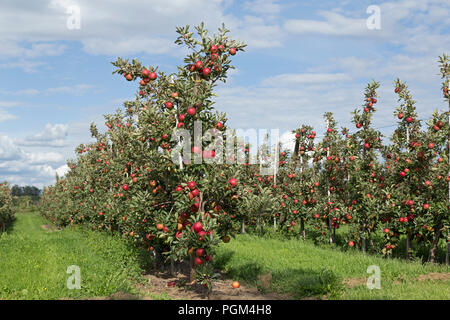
434	276
114	296
177	287
354	282
49	227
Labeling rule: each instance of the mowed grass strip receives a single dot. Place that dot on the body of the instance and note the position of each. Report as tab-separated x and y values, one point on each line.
34	262
303	269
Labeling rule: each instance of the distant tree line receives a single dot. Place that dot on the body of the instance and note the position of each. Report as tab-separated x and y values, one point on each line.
33	192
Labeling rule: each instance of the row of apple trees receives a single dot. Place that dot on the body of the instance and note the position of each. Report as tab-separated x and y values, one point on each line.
127	181
6	206
396	191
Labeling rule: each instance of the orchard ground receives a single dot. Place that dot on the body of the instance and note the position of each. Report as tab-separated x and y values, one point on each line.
35	257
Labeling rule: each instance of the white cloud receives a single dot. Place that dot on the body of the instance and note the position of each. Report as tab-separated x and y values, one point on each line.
257	33
5	116
263	7
416	25
304	78
23	173
11	48
8	149
19	166
123	27
44	158
7	104
51	136
61	171
75	89
25	65
333	24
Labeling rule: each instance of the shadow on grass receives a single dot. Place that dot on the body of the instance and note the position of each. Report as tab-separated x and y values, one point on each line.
303	283
299	283
9	227
223	259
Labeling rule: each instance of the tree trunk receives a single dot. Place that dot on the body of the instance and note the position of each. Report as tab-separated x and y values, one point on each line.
363	241
302	229
334	234
433	249
243	227
191	268
447	258
155	264
372	247
274	224
172	267
331	231
295	155
408	245
329	194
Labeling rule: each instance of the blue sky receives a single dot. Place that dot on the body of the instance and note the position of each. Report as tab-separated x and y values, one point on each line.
303	58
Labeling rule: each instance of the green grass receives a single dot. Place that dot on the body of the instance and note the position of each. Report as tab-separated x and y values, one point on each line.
33	265
303	269
34	262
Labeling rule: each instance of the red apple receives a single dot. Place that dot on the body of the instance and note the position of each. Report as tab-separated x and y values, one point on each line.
209	257
206	71
200	252
197	227
191	185
191	111
198	65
